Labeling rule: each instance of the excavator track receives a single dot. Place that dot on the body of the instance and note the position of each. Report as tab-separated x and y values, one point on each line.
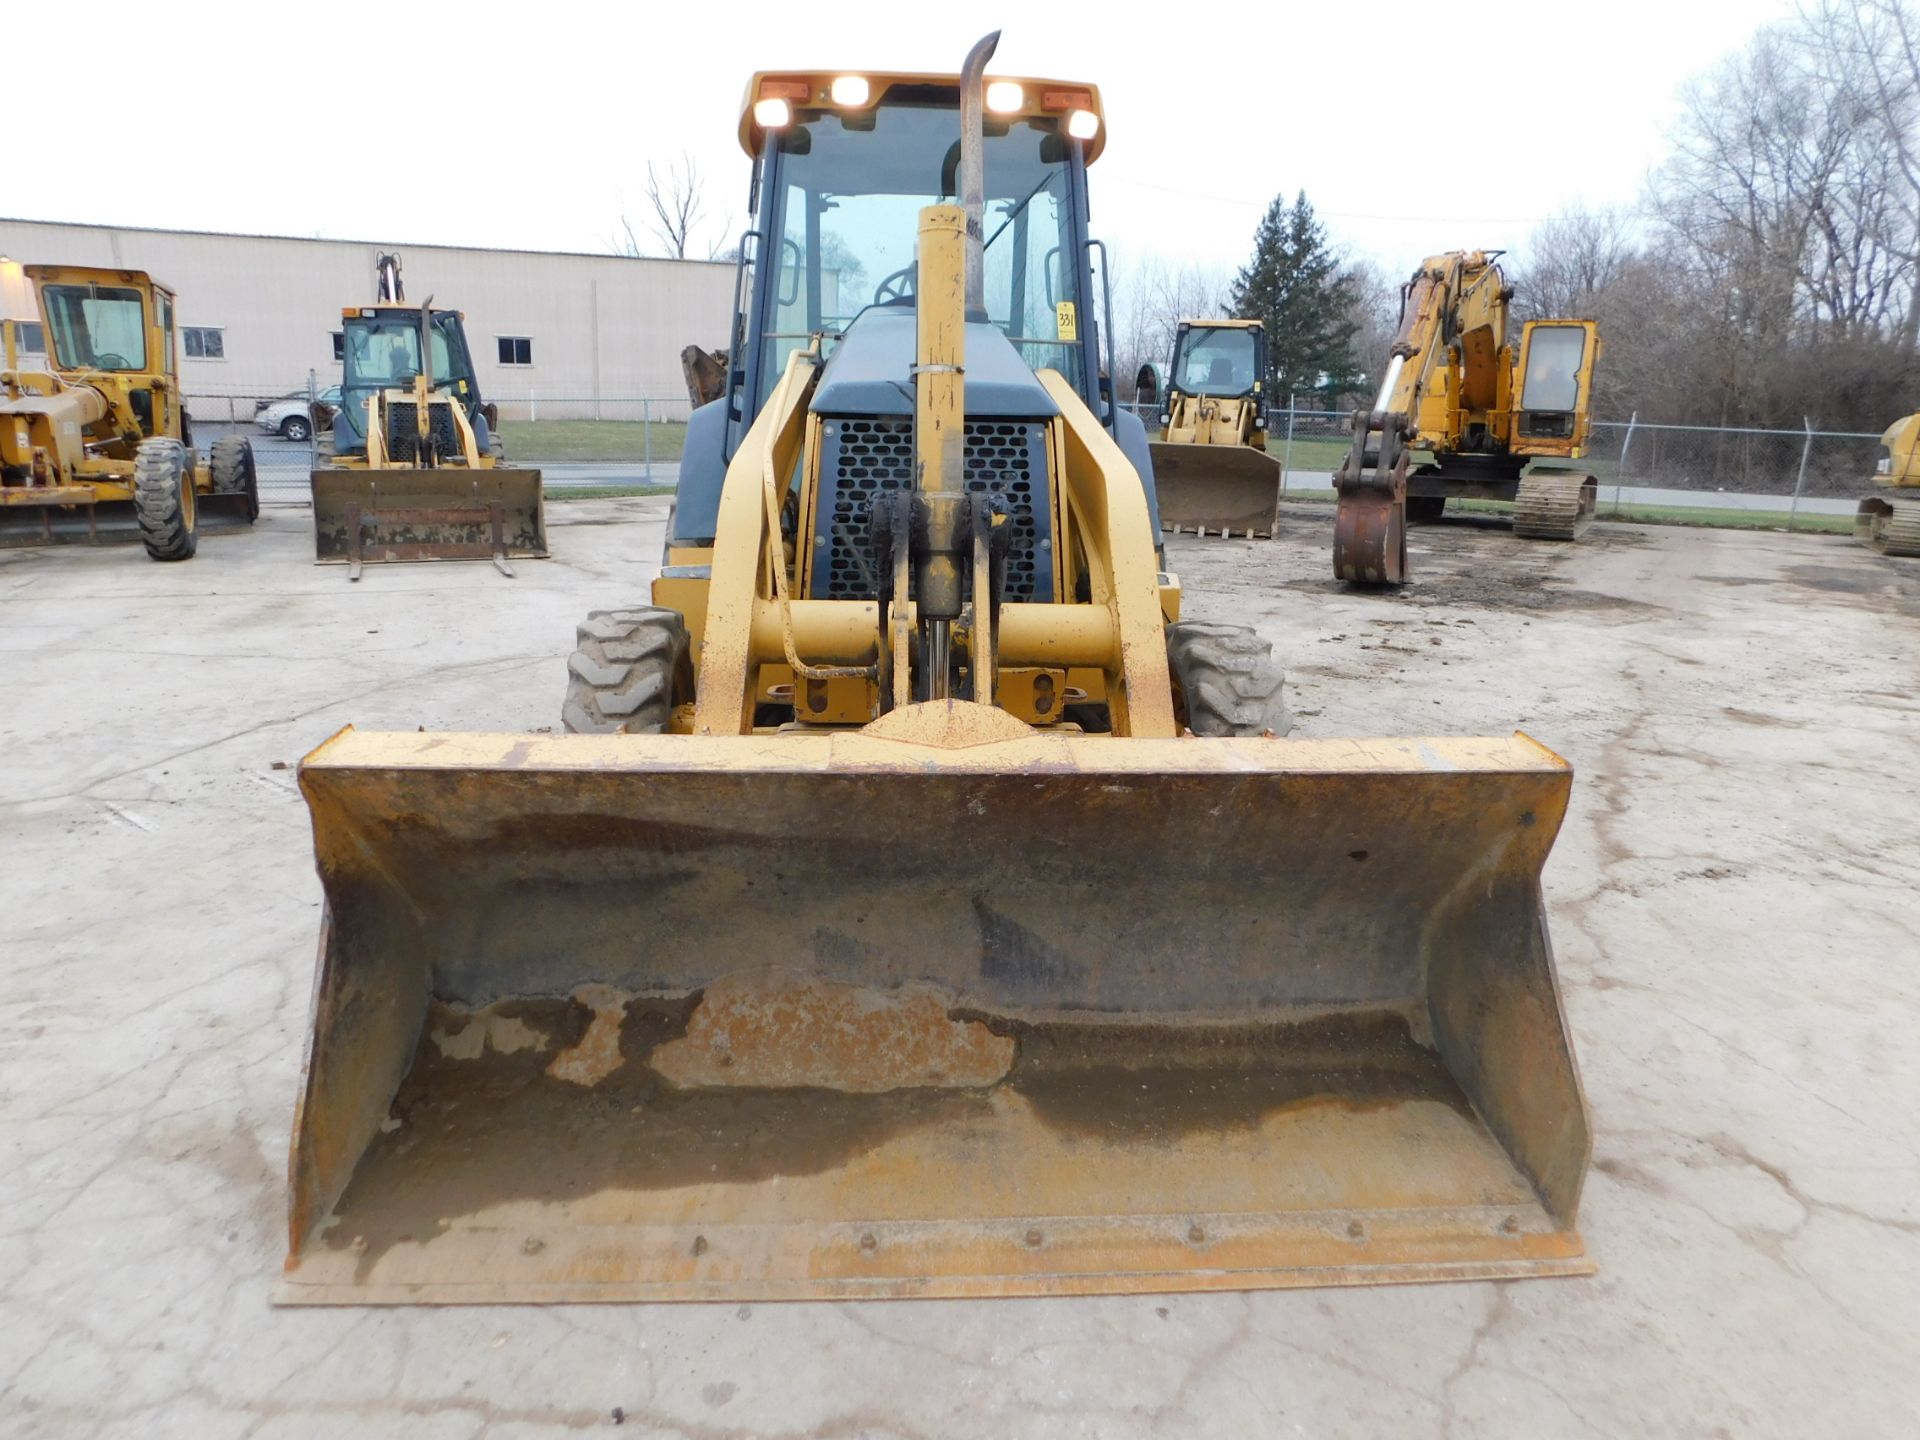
1554	505
1890	526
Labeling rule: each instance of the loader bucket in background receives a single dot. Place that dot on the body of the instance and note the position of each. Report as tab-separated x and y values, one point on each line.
1216	489
366	517
834	1015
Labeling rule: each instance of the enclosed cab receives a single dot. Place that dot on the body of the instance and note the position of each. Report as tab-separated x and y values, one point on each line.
102	431
382	351
842	165
1215	474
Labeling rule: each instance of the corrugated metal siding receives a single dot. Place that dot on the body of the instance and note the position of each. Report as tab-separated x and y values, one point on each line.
278	300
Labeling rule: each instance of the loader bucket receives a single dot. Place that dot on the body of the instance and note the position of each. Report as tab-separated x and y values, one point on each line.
365	517
1216	489
618	1018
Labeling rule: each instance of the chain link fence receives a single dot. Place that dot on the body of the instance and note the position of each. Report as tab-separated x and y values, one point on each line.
1807	476
577	443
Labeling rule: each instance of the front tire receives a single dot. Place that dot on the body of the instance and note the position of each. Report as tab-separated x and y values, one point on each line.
234	472
631	668
163	499
1225	681
296	427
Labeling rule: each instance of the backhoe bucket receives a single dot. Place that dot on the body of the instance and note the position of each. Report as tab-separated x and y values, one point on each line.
1216	489
366	517
620	1018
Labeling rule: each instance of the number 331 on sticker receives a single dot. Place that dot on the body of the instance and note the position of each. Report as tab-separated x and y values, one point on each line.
1065	322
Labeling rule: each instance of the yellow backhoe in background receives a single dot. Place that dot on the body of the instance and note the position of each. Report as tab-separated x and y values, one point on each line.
922	906
1457	387
102	431
413	466
1891	523
1211	462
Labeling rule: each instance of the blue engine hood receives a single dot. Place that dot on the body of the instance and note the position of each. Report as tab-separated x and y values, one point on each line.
871	371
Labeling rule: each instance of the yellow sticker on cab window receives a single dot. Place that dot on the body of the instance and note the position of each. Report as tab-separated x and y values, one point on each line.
1065	321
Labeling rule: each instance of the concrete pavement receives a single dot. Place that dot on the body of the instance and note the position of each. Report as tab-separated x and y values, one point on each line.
1732	902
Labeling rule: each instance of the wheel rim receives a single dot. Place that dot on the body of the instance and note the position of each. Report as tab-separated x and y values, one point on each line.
188	499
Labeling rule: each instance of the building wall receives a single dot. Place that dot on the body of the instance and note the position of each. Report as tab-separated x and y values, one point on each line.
605	328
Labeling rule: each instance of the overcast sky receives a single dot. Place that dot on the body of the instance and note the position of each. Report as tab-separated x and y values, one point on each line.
1412	127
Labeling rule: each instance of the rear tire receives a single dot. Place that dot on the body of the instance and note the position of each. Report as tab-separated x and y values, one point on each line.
296	427
234	472
1225	681
630	669
163	499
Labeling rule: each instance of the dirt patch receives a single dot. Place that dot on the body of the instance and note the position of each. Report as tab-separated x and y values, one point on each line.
1517	592
1890	584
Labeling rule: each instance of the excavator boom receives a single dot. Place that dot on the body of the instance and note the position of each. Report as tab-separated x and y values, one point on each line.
1458	388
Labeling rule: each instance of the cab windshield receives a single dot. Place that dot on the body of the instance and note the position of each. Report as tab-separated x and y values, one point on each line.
1553	368
1216	362
846	206
97	327
385	352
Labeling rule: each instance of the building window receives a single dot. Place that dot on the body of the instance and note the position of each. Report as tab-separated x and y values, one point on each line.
515	350
204	343
339	345
29	337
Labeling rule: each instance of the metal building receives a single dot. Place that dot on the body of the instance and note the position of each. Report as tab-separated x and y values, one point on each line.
559	335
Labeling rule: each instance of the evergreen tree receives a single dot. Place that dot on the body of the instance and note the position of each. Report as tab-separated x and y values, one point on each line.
1294	285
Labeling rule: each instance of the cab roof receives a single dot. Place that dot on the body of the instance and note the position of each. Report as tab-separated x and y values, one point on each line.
1042	99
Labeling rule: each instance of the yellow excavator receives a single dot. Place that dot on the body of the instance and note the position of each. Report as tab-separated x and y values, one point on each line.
1891	523
1485	409
1211	463
920	905
413	462
101	429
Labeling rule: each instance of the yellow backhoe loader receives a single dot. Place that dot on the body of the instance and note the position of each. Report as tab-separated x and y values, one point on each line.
1891	523
101	432
413	468
921	906
1211	462
1455	386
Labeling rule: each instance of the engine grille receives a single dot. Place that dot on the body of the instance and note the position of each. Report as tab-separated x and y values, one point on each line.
862	458
403	439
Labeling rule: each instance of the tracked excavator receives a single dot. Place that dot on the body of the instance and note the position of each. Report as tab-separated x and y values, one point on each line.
1891	523
919	904
413	468
1211	463
1486	410
98	430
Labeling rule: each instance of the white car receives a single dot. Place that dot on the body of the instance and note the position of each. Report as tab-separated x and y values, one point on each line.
288	416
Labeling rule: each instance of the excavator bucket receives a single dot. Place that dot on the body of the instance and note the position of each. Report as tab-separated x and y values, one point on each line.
1216	489
367	517
670	1017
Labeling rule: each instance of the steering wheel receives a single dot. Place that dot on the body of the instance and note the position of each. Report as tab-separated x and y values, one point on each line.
896	287
111	361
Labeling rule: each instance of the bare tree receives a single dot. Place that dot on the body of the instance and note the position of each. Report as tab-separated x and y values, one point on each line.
676	205
1375	313
1571	261
1154	296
